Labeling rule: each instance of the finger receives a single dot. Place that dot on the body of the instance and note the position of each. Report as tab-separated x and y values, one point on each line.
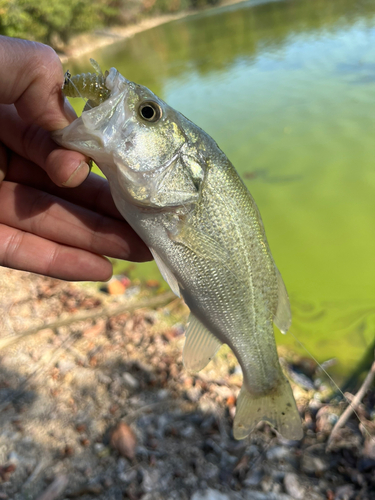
93	194
65	168
28	252
34	80
51	218
3	162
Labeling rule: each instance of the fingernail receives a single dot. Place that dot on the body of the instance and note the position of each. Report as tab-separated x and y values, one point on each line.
78	176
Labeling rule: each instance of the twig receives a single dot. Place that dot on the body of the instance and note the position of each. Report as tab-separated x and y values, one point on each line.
353	406
55	489
108	311
38	469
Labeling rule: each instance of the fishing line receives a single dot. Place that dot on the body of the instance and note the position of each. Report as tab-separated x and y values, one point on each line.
334	384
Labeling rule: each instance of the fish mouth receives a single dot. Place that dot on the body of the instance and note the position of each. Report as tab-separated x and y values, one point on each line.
96	129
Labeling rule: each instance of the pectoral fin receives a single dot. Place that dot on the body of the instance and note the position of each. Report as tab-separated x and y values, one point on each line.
166	273
200	345
283	316
200	243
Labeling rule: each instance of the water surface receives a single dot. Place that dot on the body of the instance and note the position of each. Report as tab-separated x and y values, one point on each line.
287	89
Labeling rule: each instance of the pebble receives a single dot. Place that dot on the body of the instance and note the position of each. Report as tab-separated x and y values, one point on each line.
124	440
150	480
14	458
163	394
344	492
210	494
311	464
130	381
258	495
210	471
153	496
293	486
65	366
194	394
254	477
277	453
188	431
128	476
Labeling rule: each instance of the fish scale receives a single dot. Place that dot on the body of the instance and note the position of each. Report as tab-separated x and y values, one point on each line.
184	198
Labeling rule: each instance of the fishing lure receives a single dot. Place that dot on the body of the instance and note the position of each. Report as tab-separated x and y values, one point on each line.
90	86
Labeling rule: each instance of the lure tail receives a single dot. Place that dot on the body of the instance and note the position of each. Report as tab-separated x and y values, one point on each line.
277	408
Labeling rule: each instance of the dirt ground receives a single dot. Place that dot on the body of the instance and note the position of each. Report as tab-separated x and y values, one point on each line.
95	404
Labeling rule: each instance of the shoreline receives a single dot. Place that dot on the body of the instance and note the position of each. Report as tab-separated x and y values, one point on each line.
88	42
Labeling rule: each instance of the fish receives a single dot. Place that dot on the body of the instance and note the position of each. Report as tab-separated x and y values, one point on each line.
178	190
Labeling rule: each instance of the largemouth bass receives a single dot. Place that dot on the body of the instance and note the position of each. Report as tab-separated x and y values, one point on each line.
181	194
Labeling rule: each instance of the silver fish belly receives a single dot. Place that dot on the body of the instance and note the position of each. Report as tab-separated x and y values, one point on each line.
184	198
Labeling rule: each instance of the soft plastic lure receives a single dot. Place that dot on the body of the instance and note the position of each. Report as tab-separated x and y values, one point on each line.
90	86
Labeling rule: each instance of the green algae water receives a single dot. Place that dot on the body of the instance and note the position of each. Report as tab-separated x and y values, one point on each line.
287	89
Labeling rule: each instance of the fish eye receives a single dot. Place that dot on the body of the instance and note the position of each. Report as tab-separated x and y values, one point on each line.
150	111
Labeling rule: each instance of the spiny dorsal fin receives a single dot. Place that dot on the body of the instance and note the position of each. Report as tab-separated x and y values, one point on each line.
200	345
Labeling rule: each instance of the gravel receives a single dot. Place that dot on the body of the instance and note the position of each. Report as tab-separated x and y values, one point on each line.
103	409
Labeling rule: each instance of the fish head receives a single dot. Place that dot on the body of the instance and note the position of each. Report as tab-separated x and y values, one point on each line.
140	143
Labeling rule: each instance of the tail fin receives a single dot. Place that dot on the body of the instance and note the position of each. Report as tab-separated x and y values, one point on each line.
277	408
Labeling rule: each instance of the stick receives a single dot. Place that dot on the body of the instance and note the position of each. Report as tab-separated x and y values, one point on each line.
108	311
353	406
55	489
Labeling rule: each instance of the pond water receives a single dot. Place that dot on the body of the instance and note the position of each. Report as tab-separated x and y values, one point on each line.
287	89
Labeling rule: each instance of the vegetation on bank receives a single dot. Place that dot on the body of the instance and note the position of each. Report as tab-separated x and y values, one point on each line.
56	22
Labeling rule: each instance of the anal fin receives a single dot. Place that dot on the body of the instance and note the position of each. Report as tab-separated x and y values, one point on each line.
200	345
166	273
277	408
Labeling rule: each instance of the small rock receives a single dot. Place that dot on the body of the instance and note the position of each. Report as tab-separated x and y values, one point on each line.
190	480
153	496
130	381
188	431
150	480
194	394
344	492
163	394
65	366
14	458
210	494
103	378
123	440
210	471
254	477
128	476
277	453
312	464
257	495
293	487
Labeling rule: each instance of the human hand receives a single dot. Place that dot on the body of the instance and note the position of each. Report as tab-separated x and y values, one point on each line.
44	226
